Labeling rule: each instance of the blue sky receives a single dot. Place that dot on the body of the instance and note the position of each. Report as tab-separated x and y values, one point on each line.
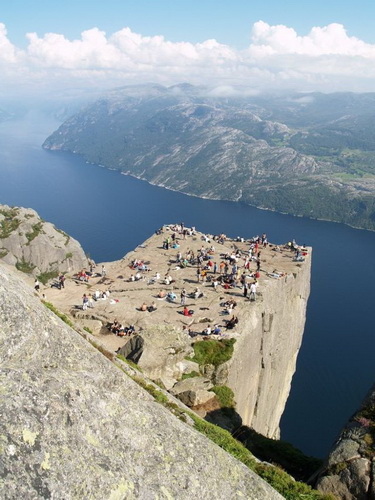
228	22
55	45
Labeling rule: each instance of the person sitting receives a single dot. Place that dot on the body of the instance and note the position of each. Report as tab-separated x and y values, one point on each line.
161	294
232	322
143	307
207	330
186	312
152	307
216	330
171	297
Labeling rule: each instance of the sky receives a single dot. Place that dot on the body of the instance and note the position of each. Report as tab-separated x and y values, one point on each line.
72	46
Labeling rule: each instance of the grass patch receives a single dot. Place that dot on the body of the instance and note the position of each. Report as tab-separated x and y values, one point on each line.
277	478
225	395
159	396
47	276
213	352
282	453
67	237
102	349
192	374
10	223
128	362
36	230
62	316
87	329
25	267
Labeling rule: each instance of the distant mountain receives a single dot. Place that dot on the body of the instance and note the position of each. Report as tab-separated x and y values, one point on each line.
304	154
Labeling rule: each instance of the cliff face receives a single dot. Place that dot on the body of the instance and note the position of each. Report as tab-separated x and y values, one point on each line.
265	354
75	426
350	469
35	246
267	337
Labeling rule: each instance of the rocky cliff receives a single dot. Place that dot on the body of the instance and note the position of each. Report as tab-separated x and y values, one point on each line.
35	246
265	354
350	469
73	425
260	361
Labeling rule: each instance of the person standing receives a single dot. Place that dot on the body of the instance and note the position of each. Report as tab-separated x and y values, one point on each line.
104	271
62	281
183	297
253	291
36	285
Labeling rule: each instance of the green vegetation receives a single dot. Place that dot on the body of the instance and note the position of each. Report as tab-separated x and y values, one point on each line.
47	276
87	329
3	252
130	363
213	352
68	255
159	396
277	478
25	267
10	223
366	418
59	314
67	237
192	374
36	230
225	396
278	452
102	349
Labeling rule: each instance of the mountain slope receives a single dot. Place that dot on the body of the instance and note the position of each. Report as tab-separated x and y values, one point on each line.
234	149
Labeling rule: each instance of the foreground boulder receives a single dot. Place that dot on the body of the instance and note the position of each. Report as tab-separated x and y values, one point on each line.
73	425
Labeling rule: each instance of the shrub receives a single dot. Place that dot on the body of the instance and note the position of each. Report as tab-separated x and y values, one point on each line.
8	225
225	395
189	375
213	352
47	276
36	229
25	267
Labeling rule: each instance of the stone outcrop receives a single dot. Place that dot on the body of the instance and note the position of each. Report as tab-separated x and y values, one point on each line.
73	425
267	337
35	246
265	354
350	469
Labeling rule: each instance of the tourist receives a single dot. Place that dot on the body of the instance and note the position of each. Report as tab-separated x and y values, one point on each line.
36	285
183	297
62	281
253	290
85	302
104	271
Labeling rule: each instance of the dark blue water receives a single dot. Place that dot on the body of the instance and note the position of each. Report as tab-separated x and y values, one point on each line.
110	214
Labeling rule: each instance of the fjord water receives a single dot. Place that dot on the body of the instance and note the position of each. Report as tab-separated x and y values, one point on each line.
110	214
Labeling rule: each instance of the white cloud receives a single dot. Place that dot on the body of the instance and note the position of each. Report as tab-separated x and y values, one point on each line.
327	59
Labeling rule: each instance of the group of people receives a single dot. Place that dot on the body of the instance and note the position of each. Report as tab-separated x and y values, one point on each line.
120	330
